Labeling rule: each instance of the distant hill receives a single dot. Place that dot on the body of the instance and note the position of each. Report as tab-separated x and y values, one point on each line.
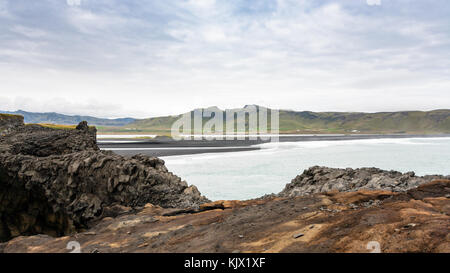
437	121
300	122
68	120
412	122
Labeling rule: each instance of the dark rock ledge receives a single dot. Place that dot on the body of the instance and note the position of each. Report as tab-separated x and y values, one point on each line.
323	179
57	181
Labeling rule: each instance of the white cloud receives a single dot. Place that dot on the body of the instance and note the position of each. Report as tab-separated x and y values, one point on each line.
73	2
373	2
202	4
163	57
90	23
4	9
214	34
29	32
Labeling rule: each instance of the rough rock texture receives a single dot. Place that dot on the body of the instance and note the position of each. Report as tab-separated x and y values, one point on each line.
322	179
414	221
57	181
9	123
41	141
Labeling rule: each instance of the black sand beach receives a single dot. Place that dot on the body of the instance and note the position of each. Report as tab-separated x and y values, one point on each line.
170	147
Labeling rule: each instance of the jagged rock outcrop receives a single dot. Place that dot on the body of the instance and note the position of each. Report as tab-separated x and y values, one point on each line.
323	179
56	181
36	140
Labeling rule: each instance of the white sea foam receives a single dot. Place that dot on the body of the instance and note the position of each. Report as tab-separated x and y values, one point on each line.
170	148
327	143
100	136
272	148
118	141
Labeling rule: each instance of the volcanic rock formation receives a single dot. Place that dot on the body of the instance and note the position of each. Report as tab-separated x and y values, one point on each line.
322	179
56	181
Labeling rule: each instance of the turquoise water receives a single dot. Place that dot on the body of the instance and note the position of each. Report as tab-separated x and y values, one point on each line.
245	175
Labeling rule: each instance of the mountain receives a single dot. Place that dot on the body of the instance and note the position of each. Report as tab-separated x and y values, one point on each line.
301	122
68	120
437	121
412	122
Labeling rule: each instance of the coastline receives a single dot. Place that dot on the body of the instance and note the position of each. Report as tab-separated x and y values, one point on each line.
169	147
135	204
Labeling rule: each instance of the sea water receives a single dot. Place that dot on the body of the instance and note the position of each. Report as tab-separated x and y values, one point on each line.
251	174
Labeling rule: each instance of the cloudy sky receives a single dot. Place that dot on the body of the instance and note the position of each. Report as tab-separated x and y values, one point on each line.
112	58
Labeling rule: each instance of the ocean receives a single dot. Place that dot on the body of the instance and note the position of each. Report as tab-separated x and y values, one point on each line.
251	174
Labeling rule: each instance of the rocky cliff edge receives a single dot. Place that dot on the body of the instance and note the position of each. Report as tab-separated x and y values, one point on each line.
57	181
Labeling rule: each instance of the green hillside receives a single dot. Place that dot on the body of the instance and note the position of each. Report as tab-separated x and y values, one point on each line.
437	121
412	122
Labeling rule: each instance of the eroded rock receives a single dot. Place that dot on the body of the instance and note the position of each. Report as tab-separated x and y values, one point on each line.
323	179
9	123
56	182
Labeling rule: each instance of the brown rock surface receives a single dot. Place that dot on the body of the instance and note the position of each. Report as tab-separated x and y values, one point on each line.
413	221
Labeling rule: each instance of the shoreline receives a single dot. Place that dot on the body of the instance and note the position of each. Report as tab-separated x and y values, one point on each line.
169	147
119	204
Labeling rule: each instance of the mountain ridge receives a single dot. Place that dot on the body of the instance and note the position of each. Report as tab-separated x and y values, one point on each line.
434	121
291	121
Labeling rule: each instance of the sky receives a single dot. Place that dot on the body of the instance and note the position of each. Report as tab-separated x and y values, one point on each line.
145	58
